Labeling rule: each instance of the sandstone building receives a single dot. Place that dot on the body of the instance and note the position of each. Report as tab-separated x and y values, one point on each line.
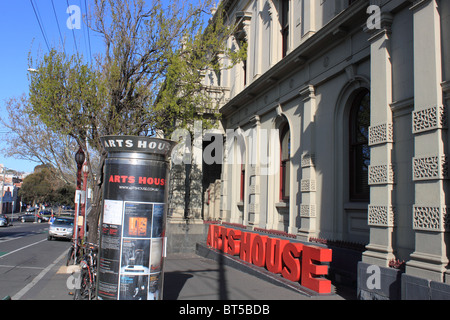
336	127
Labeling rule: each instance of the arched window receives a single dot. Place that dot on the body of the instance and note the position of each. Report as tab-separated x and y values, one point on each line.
285	150
285	26
359	149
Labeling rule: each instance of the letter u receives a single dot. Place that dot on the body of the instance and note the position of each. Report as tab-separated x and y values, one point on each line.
274	251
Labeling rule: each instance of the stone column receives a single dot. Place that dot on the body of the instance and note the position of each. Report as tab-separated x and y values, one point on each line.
254	172
225	211
381	171
308	182
177	195
196	174
446	92
430	162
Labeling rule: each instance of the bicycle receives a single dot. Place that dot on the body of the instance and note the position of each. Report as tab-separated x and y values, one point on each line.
87	284
74	256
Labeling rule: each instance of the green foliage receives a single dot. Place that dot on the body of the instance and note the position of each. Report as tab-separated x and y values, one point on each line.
64	195
43	186
183	97
64	93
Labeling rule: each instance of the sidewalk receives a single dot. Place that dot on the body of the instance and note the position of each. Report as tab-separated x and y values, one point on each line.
193	277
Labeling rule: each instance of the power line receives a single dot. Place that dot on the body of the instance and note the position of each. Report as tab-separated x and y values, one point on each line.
89	37
84	31
57	23
40	26
73	33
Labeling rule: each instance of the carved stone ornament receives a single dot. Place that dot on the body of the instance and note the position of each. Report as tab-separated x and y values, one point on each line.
381	174
430	168
429	119
308	185
308	160
308	210
381	133
381	215
431	218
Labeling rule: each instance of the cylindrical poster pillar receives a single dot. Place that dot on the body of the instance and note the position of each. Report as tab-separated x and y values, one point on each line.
132	233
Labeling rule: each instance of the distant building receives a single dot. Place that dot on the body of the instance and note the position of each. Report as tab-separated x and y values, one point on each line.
10	184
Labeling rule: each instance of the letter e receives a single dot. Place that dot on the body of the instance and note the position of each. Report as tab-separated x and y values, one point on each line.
311	271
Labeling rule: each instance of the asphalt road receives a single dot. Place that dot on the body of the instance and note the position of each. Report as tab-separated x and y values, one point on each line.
26	256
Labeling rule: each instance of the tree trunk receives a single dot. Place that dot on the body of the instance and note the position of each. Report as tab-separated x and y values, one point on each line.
93	219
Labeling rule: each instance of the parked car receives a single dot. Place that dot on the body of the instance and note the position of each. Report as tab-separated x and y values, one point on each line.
33	217
61	228
4	220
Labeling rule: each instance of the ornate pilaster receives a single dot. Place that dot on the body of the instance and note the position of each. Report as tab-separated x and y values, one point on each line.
196	175
430	162
308	182
381	170
254	191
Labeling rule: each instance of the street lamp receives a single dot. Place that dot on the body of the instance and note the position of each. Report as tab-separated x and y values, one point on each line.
79	159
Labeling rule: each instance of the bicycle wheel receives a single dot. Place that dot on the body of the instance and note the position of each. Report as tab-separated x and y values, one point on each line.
70	256
84	292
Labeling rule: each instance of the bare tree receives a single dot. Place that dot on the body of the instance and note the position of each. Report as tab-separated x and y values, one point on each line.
30	139
138	85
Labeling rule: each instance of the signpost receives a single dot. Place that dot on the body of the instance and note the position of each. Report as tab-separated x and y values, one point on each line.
132	231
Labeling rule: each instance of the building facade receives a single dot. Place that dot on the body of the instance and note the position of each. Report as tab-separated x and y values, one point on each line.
335	126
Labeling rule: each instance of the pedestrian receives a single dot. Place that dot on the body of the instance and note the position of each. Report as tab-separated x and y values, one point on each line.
52	218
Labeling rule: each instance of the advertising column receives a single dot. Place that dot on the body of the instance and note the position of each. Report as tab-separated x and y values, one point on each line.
132	231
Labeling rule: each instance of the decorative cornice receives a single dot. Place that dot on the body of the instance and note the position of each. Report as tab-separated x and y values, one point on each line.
418	4
354	15
307	92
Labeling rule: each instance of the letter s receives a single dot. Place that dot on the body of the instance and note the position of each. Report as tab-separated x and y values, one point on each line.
292	268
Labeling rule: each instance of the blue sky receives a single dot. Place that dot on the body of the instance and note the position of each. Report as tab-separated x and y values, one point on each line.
20	34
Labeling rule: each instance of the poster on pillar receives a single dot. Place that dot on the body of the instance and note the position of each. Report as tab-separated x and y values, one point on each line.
132	250
132	238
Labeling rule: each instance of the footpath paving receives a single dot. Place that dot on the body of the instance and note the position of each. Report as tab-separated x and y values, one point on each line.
192	276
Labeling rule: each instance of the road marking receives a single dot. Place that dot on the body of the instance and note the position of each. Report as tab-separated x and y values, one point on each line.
7	254
21	235
27	288
11	238
19	267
